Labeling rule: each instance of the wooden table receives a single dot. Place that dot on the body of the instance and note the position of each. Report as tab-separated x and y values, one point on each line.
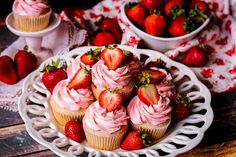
219	139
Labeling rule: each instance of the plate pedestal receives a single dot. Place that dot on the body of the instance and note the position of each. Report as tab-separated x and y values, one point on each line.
34	39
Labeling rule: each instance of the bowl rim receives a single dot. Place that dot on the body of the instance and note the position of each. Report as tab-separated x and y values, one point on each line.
123	12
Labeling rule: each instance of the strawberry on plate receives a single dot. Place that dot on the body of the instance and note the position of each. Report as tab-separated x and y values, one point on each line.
112	57
25	61
81	79
199	11
52	74
196	56
74	130
148	94
135	140
181	26
110	100
153	5
175	8
103	38
91	56
137	13
112	26
8	73
182	106
155	24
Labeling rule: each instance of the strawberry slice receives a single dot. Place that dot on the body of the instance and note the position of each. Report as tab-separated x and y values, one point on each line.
155	76
148	94
112	57
81	79
91	56
110	100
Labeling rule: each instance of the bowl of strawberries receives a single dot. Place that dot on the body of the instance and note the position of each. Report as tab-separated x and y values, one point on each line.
165	25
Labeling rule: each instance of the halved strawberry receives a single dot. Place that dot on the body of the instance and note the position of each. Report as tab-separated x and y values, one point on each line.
110	100
155	76
148	94
91	56
112	57
81	79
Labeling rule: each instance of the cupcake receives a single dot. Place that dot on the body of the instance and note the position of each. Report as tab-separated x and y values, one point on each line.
151	119
112	72
105	122
31	16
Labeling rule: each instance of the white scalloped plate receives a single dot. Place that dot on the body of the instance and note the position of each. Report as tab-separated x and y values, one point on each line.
40	124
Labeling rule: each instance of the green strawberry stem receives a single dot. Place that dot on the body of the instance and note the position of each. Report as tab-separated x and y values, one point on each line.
145	138
26	48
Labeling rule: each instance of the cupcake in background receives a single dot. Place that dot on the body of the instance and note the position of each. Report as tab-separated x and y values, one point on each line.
31	15
106	122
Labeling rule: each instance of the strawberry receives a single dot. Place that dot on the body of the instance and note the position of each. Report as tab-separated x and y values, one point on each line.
103	38
52	75
25	62
148	94
155	76
199	11
74	130
137	13
91	56
153	5
8	72
112	57
81	79
156	64
175	8
135	140
182	106
195	56
155	25
110	100
112	26
180	26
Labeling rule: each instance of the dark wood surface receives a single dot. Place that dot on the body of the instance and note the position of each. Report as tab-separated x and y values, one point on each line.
219	140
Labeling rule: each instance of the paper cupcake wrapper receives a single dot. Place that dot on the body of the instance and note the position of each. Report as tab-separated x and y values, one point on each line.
32	23
62	116
102	140
154	132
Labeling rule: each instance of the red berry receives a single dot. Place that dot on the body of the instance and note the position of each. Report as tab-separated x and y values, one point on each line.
81	79
137	14
110	100
153	5
175	8
8	72
91	56
112	26
155	25
25	62
112	57
103	38
155	76
74	131
195	57
148	94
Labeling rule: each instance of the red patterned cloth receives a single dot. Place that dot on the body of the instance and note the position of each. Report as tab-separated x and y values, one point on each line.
220	73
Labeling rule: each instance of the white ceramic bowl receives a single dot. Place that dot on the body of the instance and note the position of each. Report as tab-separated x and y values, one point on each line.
160	43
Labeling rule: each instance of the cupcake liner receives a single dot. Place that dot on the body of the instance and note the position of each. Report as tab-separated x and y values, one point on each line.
125	92
32	23
154	132
102	140
62	115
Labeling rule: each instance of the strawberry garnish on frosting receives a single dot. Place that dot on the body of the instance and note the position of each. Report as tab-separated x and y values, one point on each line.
91	57
110	100
112	57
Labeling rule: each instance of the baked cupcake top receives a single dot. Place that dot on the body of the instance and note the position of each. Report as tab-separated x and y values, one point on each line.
141	113
30	7
99	119
72	99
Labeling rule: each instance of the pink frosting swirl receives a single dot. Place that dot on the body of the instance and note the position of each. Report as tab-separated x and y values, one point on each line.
103	77
99	119
30	7
154	114
72	99
166	86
